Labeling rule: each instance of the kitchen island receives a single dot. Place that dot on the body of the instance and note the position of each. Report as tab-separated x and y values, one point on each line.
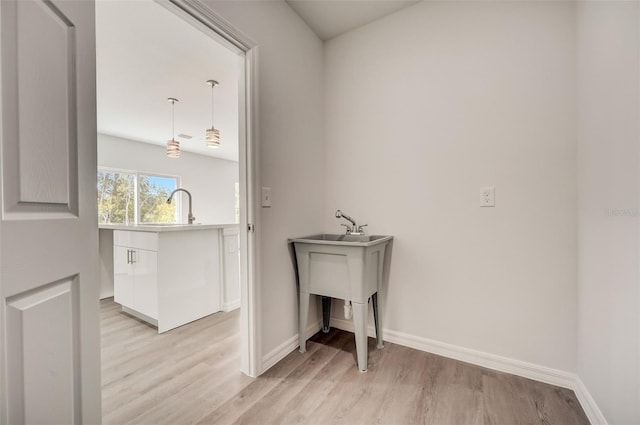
167	274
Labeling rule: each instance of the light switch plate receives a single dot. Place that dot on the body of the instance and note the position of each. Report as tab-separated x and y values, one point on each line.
266	197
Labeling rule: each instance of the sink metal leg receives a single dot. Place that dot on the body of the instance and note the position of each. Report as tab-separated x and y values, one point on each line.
376	318
326	314
303	316
360	313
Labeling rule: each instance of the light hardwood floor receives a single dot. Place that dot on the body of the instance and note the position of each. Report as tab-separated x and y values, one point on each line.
190	375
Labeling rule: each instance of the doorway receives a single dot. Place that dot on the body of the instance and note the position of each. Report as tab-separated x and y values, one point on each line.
199	17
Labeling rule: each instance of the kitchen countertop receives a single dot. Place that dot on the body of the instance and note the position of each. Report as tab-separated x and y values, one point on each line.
157	228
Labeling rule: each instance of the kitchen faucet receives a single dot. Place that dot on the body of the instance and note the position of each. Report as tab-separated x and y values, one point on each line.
191	217
351	230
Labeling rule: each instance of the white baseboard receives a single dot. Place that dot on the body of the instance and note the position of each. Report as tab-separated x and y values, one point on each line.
283	350
490	361
230	306
106	294
588	404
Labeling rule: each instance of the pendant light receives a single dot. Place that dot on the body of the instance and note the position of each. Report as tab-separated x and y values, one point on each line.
213	134
173	146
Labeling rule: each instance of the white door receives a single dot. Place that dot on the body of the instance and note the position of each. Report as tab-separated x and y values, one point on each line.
49	341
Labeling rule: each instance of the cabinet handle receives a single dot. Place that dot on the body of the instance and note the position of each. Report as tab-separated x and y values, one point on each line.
128	256
133	256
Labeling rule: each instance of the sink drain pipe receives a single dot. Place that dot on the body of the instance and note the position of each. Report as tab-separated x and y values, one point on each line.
348	310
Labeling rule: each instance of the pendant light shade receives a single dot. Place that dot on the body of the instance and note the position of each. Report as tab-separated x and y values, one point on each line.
173	146
213	137
212	134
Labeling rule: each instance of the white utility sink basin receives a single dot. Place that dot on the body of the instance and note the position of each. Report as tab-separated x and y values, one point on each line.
336	239
349	267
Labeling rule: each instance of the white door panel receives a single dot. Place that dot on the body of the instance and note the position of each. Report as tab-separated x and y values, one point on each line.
45	62
40	48
48	231
42	364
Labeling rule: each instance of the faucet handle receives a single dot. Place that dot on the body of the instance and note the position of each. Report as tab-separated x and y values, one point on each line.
360	230
348	228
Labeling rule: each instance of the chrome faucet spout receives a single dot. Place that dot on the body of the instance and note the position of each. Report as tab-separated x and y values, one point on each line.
340	214
191	217
351	230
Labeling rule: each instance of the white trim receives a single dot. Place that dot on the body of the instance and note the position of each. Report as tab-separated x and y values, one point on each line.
492	361
283	350
588	404
250	291
467	355
204	18
230	306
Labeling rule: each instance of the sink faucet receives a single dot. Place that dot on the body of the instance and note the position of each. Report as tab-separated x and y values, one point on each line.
351	230
191	217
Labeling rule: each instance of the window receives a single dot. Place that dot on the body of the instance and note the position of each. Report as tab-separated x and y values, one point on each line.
130	197
116	197
153	192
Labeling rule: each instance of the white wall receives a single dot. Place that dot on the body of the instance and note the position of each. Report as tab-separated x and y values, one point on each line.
608	134
291	148
423	108
211	181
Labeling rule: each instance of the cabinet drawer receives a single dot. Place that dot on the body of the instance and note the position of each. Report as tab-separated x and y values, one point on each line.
140	240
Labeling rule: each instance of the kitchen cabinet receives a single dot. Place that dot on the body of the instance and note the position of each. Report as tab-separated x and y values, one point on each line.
136	280
168	277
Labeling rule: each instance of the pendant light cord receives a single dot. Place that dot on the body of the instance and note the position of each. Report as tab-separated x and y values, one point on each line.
212	86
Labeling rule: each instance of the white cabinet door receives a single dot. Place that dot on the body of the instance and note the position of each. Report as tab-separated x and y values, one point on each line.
145	285
49	287
135	279
122	276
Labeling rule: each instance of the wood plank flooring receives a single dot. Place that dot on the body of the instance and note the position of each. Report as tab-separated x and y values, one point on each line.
190	375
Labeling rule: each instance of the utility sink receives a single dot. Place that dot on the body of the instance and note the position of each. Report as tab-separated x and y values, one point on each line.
339	239
348	267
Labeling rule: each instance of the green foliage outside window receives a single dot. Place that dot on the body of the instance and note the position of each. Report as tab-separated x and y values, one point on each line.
152	199
116	198
119	201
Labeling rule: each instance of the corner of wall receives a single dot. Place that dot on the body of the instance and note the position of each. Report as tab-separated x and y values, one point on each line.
283	350
588	404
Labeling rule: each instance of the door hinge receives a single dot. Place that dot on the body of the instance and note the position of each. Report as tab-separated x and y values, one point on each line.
250	228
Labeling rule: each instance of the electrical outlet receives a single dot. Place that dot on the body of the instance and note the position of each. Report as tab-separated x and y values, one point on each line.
488	196
266	197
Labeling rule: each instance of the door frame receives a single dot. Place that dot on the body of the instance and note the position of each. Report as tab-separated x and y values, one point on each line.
196	13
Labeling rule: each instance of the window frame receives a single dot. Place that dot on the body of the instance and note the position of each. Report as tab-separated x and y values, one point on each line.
137	174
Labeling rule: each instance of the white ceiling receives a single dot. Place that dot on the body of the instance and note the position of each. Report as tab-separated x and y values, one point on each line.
330	18
146	54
